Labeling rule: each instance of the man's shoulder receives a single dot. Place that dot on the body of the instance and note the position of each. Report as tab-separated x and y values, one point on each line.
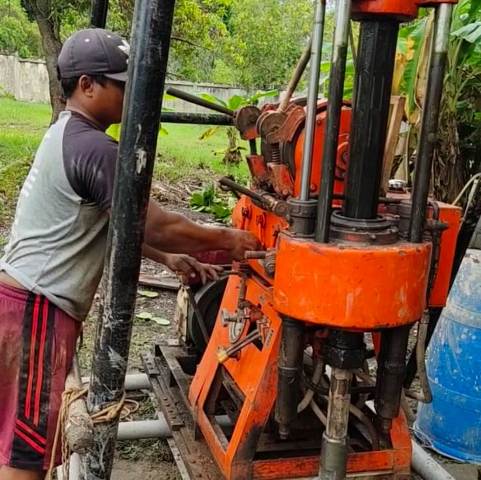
81	138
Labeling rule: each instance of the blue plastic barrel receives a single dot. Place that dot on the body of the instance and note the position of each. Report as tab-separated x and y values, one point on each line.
451	424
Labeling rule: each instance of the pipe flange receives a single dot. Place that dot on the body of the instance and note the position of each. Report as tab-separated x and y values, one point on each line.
377	231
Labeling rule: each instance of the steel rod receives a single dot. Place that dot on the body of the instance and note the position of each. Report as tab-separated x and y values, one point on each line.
152	26
336	90
334	440
313	92
429	129
370	114
196	118
296	76
201	102
98	15
234	186
289	373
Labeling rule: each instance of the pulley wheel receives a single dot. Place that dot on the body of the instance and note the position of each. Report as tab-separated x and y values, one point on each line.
208	299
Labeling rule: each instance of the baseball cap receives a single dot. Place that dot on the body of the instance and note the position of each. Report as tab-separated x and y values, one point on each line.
94	51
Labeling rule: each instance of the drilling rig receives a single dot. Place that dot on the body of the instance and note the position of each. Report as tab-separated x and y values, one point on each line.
297	360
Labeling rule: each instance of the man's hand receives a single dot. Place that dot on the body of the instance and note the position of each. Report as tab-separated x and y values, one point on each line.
187	267
241	242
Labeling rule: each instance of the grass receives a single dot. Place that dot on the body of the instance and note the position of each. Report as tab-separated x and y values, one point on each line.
22	126
181	154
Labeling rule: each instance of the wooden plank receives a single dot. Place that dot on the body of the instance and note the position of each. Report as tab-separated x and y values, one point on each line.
153	281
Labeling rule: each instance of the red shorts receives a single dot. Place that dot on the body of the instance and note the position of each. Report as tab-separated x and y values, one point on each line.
37	344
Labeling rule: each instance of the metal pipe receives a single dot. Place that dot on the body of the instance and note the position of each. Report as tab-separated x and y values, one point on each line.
334	440
372	93
313	92
296	77
152	26
426	466
234	186
133	381
201	102
289	370
429	129
143	429
390	375
196	118
98	14
336	90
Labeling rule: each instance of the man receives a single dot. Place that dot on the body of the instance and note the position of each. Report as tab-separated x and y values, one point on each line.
53	261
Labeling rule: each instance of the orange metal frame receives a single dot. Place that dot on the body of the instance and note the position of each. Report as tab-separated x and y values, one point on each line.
255	374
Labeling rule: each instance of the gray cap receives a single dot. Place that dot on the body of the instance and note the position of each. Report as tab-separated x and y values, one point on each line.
94	51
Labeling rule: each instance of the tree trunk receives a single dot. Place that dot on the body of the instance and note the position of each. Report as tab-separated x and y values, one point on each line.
42	12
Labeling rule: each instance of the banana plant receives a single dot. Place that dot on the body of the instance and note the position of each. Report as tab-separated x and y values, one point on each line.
460	117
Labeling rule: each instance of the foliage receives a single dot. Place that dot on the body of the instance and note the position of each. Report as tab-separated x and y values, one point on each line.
208	201
232	154
17	33
266	40
459	142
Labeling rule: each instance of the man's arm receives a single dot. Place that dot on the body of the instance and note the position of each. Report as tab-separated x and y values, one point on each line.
183	265
175	233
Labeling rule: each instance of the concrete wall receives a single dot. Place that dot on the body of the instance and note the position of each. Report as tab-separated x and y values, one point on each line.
27	80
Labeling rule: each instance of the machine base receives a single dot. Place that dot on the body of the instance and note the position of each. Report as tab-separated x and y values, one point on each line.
171	370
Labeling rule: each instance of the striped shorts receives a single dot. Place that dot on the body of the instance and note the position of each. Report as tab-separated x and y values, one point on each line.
37	344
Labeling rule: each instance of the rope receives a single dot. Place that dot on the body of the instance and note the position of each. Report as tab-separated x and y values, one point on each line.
122	410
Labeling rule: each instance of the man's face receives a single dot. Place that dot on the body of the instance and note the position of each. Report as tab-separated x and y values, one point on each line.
108	101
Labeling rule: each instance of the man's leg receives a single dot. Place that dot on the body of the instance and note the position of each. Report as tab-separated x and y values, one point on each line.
8	473
37	344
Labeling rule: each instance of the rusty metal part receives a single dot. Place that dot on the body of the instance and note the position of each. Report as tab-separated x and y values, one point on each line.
302	216
269	124
258	170
224	353
246	120
278	207
379	231
280	179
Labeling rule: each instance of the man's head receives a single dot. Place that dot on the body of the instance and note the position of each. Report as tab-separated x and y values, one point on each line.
92	67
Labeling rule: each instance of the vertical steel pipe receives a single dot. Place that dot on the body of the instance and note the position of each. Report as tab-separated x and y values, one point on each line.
336	91
334	440
390	375
289	370
313	92
98	14
372	93
429	129
151	32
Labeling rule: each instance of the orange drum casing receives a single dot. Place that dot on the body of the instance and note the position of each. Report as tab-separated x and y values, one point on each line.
356	287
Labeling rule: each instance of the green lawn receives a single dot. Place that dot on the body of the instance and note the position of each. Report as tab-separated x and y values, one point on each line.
181	153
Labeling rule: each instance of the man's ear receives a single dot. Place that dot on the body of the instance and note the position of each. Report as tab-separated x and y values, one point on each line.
86	85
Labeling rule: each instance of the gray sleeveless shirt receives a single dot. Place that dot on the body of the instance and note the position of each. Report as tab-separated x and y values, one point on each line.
57	243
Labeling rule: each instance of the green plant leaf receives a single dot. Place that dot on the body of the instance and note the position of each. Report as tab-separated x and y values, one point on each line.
213	99
144	316
147	293
161	321
209	133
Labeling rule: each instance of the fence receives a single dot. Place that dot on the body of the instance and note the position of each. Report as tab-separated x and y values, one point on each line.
27	80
